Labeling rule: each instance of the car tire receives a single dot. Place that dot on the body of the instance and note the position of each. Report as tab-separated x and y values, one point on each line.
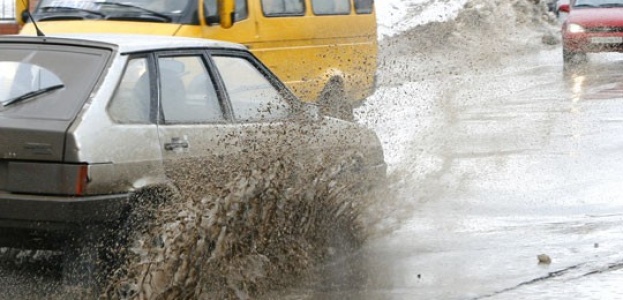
333	101
92	258
139	219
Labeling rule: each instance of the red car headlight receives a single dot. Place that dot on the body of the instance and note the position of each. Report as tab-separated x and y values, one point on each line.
575	28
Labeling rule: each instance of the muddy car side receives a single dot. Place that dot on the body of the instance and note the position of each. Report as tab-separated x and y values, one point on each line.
131	114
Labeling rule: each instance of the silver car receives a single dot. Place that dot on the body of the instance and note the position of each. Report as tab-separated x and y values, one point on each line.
90	122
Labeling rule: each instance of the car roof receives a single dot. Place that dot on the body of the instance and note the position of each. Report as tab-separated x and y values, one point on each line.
125	43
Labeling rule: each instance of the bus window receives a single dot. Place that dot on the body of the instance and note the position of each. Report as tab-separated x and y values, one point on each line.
175	7
8	24
7	10
332	51
242	11
335	7
273	8
364	6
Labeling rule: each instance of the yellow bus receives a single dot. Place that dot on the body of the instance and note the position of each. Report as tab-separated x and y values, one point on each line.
322	49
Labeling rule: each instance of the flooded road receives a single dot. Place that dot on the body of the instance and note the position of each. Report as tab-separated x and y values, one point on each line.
496	156
496	167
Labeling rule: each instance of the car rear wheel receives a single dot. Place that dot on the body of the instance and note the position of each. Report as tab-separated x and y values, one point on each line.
93	256
127	262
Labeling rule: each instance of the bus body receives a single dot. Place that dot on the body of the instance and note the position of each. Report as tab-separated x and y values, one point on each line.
306	43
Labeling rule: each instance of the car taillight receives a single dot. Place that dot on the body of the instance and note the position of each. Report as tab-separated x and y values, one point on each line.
82	179
47	178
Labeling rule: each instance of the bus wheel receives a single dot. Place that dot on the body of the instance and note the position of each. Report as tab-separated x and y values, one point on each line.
333	101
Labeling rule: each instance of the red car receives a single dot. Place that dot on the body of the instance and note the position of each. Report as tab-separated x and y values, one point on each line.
591	26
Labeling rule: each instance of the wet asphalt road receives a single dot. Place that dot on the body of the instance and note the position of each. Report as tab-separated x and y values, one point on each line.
491	168
495	168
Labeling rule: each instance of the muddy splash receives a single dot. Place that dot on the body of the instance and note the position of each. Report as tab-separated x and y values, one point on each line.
234	224
418	73
265	225
258	228
482	34
247	250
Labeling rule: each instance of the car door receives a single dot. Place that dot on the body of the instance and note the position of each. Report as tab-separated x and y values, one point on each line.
272	128
197	139
277	127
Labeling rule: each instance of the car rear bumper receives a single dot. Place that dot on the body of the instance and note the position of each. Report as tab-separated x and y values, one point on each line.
73	210
26	220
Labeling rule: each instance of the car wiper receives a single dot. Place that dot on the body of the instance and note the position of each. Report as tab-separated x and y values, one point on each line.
142	9
33	94
88	11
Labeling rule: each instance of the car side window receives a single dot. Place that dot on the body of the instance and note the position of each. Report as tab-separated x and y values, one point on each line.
334	7
131	102
187	91
253	97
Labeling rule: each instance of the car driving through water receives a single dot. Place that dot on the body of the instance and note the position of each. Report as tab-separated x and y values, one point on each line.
92	124
591	26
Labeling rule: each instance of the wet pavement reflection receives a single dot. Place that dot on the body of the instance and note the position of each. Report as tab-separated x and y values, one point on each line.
492	166
523	160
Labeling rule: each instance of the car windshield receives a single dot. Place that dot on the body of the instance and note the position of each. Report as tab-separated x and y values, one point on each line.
167	7
598	3
40	84
20	81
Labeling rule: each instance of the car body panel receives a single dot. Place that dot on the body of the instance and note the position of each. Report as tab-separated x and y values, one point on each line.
603	30
59	176
43	140
598	17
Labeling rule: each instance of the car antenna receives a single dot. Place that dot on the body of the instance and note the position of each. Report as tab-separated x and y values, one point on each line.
39	32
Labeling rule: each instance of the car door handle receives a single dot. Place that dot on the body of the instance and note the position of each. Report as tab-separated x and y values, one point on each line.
176	143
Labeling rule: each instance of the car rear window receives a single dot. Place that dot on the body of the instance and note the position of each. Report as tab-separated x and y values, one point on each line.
62	78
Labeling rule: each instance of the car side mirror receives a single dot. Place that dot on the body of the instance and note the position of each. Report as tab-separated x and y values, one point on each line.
21	13
25	16
564	8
